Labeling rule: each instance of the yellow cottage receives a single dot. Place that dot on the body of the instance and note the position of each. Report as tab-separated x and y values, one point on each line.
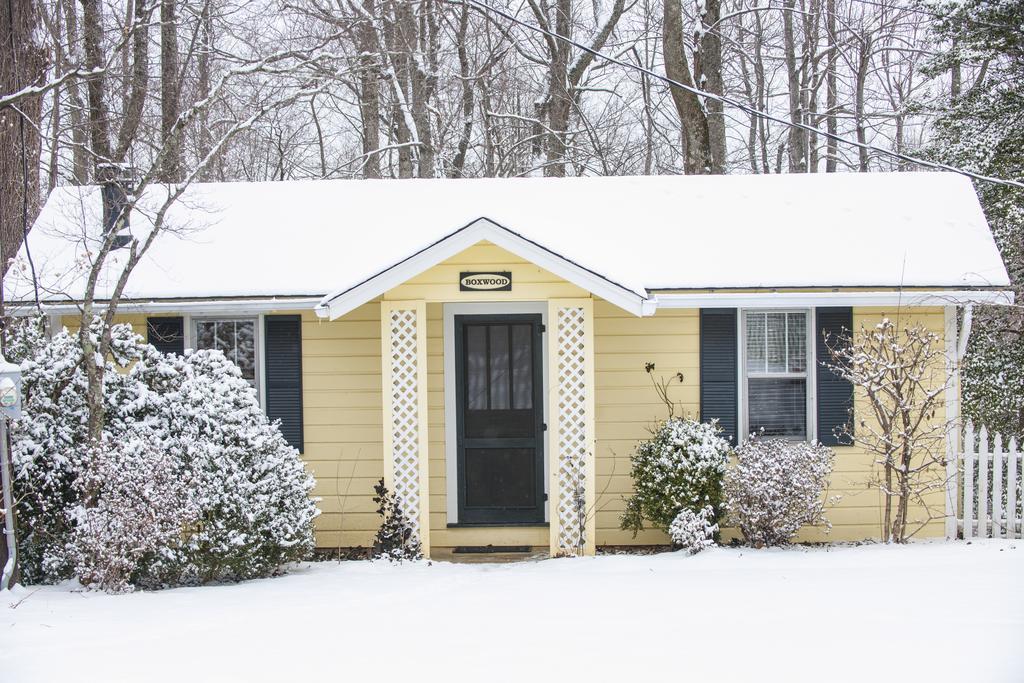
481	344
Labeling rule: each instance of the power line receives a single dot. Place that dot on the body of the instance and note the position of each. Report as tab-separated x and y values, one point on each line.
483	7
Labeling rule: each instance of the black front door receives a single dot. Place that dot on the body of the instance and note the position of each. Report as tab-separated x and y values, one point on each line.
500	419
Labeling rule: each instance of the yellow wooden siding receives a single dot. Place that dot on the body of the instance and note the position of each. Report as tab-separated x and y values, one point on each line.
343	406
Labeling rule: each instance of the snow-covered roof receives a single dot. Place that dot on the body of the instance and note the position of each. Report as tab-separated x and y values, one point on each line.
638	235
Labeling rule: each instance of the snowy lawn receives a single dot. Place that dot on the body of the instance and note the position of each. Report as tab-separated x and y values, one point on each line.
727	614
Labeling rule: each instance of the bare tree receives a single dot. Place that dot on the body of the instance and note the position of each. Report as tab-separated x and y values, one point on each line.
900	372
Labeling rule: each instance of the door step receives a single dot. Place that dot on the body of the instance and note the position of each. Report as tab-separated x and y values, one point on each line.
481	549
486	554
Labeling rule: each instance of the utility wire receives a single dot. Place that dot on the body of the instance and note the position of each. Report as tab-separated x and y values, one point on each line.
483	7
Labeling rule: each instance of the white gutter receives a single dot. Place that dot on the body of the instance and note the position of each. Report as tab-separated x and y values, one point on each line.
193	306
811	299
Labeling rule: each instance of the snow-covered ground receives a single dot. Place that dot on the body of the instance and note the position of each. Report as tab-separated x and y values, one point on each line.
930	611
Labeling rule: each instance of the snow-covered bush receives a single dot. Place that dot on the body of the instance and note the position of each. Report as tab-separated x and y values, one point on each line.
394	540
133	504
693	531
679	468
246	491
776	487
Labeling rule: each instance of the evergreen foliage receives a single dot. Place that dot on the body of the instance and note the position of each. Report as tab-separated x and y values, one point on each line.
982	129
184	438
679	468
394	540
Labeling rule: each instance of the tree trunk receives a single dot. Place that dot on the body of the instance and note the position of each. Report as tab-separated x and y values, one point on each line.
559	104
832	90
24	63
711	79
797	137
170	104
697	158
861	77
465	73
369	92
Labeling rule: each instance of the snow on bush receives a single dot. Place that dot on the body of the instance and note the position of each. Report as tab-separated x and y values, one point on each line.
394	540
133	504
679	468
776	487
246	509
693	531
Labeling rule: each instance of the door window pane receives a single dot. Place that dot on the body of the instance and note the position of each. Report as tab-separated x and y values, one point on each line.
476	367
522	367
500	375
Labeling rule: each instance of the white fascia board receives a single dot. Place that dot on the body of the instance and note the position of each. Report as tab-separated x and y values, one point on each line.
194	306
337	304
811	299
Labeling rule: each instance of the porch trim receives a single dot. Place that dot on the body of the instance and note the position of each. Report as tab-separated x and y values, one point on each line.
338	303
405	420
572	427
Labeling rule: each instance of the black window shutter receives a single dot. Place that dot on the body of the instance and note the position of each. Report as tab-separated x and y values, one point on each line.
718	368
835	394
166	334
282	339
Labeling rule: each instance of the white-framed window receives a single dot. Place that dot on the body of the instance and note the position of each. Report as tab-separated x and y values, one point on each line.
237	337
778	384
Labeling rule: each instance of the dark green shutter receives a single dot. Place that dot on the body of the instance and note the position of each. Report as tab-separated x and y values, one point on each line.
282	340
718	369
166	334
835	394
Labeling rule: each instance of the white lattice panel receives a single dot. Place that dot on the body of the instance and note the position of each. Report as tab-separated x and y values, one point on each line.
572	429
405	419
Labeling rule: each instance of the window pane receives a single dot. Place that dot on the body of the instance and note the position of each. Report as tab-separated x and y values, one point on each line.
500	376
206	333
236	338
779	406
522	367
775	329
755	342
245	347
797	342
476	367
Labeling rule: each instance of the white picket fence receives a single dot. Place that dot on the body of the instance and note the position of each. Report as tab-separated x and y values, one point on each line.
991	494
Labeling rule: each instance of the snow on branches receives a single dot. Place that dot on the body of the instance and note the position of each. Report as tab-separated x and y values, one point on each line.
900	370
693	531
191	482
776	487
679	468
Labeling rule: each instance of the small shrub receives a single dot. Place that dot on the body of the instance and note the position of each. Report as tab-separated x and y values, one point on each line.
776	487
693	531
679	468
394	540
138	506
